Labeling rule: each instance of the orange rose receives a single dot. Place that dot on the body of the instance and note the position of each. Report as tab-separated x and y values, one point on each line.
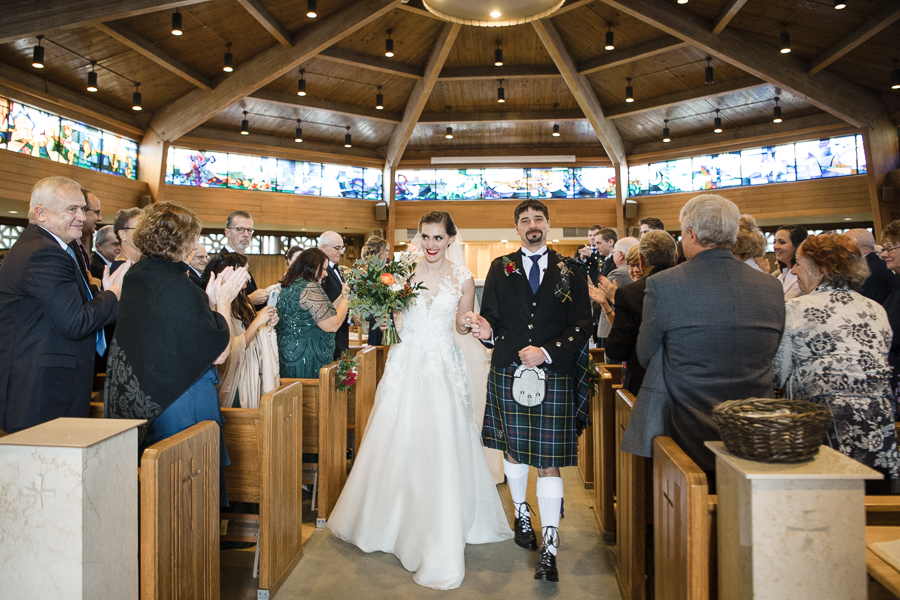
387	279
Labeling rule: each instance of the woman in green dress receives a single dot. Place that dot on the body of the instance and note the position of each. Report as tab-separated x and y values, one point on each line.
307	318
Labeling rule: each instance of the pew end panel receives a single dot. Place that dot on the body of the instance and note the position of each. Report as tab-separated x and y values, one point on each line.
365	393
603	415
381	354
633	509
179	508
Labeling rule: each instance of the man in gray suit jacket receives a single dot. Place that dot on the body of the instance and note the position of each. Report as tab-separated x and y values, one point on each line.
711	327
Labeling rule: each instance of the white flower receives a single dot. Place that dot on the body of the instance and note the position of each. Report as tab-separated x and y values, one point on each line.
397	286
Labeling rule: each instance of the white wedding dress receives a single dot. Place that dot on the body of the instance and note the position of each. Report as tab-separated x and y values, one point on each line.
420	487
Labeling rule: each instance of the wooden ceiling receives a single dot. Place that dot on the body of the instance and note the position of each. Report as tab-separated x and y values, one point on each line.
555	71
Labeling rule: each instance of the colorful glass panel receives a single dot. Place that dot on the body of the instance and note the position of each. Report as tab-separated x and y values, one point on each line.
4	122
34	132
550	183
505	183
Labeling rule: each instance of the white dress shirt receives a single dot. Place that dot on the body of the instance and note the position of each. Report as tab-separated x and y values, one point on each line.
542	261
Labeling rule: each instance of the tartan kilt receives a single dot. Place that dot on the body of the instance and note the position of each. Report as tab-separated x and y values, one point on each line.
541	436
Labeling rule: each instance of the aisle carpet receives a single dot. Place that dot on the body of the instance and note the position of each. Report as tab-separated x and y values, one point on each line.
333	569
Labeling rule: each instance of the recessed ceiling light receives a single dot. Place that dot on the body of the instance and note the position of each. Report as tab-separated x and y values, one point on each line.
555	241
303	229
504	241
13	212
848	218
495	14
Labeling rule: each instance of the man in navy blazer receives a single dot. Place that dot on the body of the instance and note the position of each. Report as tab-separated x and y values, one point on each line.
49	323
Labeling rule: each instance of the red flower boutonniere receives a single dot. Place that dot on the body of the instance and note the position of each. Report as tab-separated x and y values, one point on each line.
509	267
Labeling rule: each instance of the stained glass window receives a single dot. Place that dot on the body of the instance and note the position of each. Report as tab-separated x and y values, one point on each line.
860	155
33	131
505	183
550	183
4	122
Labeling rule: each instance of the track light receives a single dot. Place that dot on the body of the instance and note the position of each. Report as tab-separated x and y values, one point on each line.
228	66
682	1
718	123
379	99
347	143
176	23
498	55
629	92
895	76
839	5
92	79
501	96
776	114
449	134
666	137
298	133
556	116
301	85
785	41
389	45
136	98
37	58
555	130
709	71
610	39
245	125
311	9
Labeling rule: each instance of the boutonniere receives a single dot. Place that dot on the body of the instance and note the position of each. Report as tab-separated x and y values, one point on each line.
509	267
564	285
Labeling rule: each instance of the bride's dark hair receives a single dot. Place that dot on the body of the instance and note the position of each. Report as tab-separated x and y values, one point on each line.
438	217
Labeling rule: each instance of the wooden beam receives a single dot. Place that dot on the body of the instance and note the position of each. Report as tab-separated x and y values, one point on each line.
358	59
340	108
707	91
581	88
28	19
880	21
193	109
152	155
848	101
506	117
504	72
880	142
420	94
617	58
728	12
256	140
144	47
571	5
265	18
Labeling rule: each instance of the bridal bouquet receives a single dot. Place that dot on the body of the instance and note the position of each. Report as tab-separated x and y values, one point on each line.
378	287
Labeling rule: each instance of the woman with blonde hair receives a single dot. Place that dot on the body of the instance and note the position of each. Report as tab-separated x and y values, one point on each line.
750	246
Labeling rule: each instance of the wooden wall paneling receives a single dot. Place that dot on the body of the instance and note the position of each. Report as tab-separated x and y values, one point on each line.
881	146
152	155
267	268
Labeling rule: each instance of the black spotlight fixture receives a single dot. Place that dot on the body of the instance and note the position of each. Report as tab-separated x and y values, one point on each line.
610	38
37	57
301	84
92	78
556	125
449	134
176	23
136	97
666	137
311	9
776	114
228	66
839	5
347	143
629	92
298	133
498	55
718	123
379	99
709	71
389	45
895	76
501	94
245	125
785	41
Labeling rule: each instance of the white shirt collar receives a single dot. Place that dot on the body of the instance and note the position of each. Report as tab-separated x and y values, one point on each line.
199	274
230	249
103	258
541	250
62	244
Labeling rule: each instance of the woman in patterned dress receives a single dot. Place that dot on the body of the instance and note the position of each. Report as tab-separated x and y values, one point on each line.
834	352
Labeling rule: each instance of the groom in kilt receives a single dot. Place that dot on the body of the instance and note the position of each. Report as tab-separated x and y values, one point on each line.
535	312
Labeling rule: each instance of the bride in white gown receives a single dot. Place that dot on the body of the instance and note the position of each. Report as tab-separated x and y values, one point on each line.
420	487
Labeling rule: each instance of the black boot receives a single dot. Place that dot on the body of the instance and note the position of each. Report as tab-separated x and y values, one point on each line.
546	565
524	532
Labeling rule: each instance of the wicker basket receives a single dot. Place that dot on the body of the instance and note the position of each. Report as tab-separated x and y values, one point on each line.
770	430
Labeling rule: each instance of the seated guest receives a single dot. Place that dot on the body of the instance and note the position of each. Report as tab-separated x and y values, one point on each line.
376	246
633	261
699	320
787	239
750	246
251	368
123	226
890	252
834	353
656	253
197	262
169	334
307	318
107	247
881	281
651	224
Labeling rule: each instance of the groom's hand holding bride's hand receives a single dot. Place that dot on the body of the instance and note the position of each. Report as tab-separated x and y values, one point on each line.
480	328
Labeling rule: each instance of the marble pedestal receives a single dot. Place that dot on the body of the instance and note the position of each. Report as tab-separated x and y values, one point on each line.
791	530
69	511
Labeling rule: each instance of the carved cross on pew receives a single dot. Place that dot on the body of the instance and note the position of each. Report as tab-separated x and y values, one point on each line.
187	484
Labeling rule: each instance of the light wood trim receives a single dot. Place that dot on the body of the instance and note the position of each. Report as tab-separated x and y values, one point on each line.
365	61
728	12
340	108
707	91
152	156
421	92
504	72
882	20
633	488
507	117
268	21
617	58
847	101
122	34
603	415
880	142
581	88
365	393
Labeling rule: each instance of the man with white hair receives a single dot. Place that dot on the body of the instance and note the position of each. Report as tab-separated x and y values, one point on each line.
619	276
332	244
881	281
709	333
50	323
106	247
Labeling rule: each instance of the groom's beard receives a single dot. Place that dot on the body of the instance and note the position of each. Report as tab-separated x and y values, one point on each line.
534	236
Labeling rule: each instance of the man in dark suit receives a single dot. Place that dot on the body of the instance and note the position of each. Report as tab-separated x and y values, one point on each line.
197	262
606	243
332	244
588	256
881	280
239	232
106	248
711	326
50	326
535	313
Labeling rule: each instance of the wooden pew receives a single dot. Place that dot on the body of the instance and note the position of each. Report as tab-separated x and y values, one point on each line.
633	509
364	392
603	417
265	446
381	354
179	516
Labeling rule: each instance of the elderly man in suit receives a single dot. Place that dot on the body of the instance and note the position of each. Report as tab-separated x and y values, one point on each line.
332	244
106	247
50	325
711	327
881	281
